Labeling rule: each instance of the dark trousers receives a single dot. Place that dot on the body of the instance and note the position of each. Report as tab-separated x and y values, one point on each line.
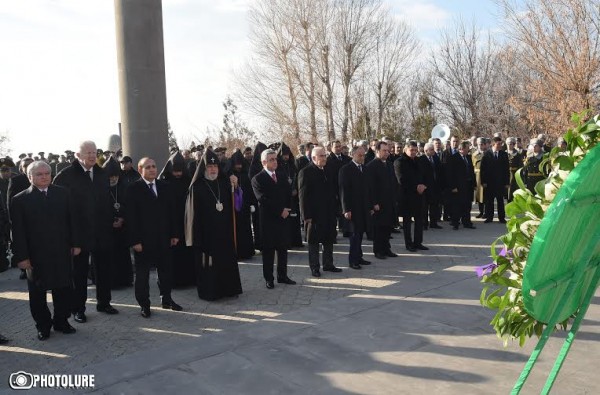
268	259
39	305
313	255
491	194
461	208
407	227
355	254
256	231
481	208
381	238
431	213
164	268
81	265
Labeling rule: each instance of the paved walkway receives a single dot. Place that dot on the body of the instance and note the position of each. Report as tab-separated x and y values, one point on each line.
406	325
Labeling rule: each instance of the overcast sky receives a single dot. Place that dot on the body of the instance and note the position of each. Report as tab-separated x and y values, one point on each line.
58	79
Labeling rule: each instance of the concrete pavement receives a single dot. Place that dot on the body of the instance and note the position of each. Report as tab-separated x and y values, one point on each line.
406	325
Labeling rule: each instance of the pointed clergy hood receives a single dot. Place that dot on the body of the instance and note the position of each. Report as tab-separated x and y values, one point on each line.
112	167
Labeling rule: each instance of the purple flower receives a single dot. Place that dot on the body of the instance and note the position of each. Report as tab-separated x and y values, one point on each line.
485	269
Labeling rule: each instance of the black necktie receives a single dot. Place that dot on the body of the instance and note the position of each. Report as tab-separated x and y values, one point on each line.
89	174
431	160
466	161
496	155
151	185
360	168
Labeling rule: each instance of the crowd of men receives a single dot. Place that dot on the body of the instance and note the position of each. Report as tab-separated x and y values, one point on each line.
204	211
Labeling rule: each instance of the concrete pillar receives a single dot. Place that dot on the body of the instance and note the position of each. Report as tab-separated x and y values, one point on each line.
142	88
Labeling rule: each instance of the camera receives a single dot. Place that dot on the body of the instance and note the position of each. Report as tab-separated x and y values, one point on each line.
21	380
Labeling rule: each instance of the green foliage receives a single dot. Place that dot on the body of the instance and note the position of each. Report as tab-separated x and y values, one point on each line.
503	290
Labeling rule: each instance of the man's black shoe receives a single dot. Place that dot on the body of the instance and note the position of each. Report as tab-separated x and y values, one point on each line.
502	221
364	262
455	227
332	269
65	328
80	317
391	254
411	248
108	309
3	340
43	334
479	216
146	312
354	266
286	280
270	285
470	226
421	247
315	273
487	221
379	256
23	276
171	305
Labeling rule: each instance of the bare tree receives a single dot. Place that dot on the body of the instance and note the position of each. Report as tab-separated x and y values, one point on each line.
464	76
393	53
557	44
354	29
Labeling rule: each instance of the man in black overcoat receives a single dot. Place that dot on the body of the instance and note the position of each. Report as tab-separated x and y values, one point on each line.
273	194
411	183
461	184
431	170
152	226
355	197
45	237
335	161
318	207
384	187
495	178
89	187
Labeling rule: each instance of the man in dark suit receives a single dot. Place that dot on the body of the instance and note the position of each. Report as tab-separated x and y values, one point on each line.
431	170
304	160
16	185
384	188
495	179
318	207
355	197
128	173
335	161
461	184
274	194
446	194
89	187
153	230
411	183
45	237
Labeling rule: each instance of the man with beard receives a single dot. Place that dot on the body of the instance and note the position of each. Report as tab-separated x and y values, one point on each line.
128	173
384	186
121	272
152	229
461	183
411	182
274	194
318	207
209	215
88	185
286	165
248	156
238	166
45	238
175	174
